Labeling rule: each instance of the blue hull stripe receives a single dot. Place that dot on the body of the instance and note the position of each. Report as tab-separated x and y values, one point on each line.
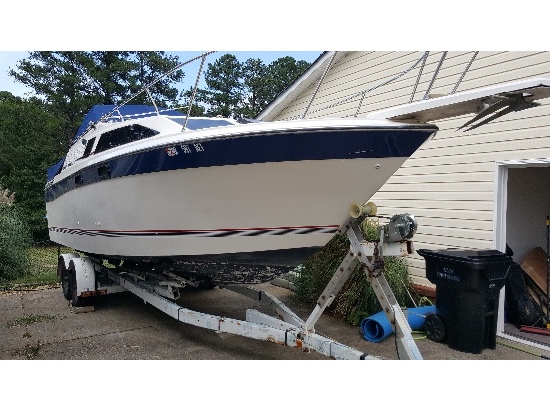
300	145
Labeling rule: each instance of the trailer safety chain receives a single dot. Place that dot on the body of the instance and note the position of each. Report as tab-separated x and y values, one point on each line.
377	263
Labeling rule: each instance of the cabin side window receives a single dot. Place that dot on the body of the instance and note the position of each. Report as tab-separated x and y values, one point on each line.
123	135
89	146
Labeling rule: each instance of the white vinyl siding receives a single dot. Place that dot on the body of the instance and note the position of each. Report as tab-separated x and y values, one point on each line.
449	183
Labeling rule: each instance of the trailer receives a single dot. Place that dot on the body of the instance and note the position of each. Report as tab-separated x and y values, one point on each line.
85	277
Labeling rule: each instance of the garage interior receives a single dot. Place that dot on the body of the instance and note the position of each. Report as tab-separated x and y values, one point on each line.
524	202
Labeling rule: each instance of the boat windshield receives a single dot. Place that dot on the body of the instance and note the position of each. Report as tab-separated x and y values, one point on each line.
199	123
121	136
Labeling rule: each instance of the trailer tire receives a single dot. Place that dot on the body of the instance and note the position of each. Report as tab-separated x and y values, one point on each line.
64	278
77	301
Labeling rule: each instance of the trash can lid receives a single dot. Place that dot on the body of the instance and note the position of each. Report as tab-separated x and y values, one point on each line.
468	255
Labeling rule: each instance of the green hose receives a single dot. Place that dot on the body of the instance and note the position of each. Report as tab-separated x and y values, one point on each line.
524	350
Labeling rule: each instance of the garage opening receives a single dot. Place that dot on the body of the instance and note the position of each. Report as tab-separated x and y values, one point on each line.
522	205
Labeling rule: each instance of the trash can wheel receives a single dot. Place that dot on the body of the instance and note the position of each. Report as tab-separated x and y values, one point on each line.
434	327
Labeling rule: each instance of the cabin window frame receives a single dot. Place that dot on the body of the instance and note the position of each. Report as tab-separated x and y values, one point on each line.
111	134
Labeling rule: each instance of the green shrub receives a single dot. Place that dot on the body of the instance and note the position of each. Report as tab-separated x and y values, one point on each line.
356	300
15	243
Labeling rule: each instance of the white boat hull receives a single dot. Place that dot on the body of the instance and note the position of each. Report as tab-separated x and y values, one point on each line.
217	210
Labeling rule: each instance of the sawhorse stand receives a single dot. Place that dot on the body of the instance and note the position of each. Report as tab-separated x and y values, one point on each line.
371	256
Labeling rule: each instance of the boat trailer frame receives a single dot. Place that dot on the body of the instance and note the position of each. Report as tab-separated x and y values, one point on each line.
88	277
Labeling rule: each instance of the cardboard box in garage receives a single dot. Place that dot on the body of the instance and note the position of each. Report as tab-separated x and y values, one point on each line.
534	264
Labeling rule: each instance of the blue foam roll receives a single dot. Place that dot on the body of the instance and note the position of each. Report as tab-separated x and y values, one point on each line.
376	328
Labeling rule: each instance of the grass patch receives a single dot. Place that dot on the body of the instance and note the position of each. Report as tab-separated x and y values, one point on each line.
29	320
42	269
30	351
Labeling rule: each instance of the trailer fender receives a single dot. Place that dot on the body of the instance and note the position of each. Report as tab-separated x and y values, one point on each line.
84	275
63	261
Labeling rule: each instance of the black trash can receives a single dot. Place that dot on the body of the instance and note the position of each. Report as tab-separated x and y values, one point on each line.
468	283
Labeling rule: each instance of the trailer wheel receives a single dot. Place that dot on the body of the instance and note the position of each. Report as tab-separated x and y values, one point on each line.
434	327
77	300
64	278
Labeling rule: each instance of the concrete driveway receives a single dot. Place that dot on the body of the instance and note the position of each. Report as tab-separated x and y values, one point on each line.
40	324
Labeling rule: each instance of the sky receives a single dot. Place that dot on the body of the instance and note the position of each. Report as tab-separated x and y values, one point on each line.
9	59
269	30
